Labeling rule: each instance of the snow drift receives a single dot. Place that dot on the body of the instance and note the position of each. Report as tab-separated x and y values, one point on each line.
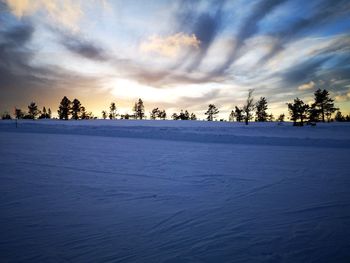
174	191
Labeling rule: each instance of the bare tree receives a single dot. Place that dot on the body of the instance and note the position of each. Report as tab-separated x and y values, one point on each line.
248	108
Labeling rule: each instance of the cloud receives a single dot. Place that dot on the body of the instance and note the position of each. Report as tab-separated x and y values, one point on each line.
304	71
82	47
343	97
64	12
206	28
323	13
205	23
248	29
169	46
307	86
20	80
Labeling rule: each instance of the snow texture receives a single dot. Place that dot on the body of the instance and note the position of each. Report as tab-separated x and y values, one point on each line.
174	191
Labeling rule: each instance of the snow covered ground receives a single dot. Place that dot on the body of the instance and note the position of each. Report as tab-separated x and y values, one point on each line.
174	191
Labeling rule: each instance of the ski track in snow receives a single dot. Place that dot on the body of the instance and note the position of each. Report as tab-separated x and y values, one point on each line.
153	191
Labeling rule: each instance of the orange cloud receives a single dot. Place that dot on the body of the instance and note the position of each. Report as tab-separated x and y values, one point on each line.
63	12
169	46
343	97
307	86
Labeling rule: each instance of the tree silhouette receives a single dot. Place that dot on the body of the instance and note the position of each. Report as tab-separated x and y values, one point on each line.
126	116
231	117
314	114
339	116
298	111
64	108
6	116
49	113
112	111
83	114
186	115
154	114
211	112
281	118
139	110
162	114
104	114
19	113
324	105
76	109
238	114
270	117
44	114
249	107
193	117
261	107
33	110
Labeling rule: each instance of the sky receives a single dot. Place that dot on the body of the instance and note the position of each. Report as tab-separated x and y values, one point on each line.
173	54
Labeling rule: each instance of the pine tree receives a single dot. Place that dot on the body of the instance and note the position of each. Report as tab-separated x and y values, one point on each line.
76	109
248	107
298	111
112	111
49	113
261	107
64	109
19	113
211	112
84	115
314	114
323	104
44	114
33	110
139	110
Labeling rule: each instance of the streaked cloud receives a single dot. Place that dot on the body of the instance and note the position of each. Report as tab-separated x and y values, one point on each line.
169	46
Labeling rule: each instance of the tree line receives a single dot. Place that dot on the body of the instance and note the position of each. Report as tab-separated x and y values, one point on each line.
321	110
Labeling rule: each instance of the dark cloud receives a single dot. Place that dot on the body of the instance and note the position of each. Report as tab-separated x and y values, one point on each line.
206	25
20	80
80	46
304	72
335	78
330	62
206	28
